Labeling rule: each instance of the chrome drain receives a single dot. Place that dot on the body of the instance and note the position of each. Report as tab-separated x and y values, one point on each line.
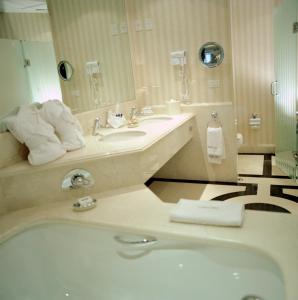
252	297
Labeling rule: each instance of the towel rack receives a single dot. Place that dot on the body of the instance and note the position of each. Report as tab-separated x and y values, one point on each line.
214	120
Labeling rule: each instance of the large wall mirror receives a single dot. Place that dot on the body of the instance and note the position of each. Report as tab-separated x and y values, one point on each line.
82	31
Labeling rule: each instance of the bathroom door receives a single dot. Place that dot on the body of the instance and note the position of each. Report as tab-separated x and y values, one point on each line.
285	87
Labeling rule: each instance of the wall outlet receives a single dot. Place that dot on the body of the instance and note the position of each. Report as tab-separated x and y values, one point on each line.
148	24
123	27
139	25
115	29
213	83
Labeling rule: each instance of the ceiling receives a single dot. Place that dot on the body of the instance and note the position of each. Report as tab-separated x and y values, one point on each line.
23	6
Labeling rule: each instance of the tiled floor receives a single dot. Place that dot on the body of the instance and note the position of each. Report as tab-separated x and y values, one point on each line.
171	192
258	190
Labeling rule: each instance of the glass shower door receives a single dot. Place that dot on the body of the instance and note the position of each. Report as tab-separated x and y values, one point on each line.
14	84
42	71
285	89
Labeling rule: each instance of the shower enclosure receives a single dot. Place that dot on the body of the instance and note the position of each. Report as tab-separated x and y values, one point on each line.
285	86
29	74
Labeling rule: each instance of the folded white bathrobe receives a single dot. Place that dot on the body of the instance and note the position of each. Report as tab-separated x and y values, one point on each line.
66	125
29	128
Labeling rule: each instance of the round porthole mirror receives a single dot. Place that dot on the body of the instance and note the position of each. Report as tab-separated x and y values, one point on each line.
211	55
65	70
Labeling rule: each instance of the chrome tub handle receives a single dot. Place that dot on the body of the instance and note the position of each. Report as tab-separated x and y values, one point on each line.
135	240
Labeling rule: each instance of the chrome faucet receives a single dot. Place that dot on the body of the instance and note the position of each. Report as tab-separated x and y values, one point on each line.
133	121
133	112
76	179
96	126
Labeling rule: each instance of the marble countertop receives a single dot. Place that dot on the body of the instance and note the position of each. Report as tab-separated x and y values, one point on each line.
137	209
96	148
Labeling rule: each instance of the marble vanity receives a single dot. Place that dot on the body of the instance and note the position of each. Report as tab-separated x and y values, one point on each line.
116	158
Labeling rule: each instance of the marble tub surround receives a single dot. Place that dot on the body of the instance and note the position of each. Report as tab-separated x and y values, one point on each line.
136	209
112	165
191	162
11	151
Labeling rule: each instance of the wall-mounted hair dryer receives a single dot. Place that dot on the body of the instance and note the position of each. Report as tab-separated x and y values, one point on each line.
178	58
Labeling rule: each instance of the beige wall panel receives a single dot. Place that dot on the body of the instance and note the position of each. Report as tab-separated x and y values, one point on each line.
25	26
82	31
177	25
252	39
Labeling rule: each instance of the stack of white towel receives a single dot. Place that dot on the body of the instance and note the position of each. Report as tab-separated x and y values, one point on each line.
216	213
48	131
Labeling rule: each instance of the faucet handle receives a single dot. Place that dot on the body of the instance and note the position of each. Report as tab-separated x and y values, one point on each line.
133	111
78	178
96	126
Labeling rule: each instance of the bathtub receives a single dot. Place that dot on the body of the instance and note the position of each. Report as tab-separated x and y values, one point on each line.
54	261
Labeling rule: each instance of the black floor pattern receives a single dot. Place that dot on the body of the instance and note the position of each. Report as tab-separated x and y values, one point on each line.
251	189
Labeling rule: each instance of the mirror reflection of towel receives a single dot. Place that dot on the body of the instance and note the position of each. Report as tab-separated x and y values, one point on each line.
215	145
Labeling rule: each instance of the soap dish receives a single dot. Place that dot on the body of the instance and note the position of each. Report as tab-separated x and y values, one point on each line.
83	207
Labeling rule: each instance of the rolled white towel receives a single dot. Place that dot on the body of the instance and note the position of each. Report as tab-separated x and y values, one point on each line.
29	128
66	125
216	213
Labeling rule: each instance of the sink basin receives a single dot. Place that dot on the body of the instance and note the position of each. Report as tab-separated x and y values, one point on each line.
122	136
155	120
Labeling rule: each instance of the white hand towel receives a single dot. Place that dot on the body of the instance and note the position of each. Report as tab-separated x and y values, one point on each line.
215	145
208	213
28	127
66	125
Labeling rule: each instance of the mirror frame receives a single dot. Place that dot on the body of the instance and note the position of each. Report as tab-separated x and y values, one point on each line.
61	62
211	65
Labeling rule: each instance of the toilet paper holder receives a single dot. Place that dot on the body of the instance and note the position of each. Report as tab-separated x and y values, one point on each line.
254	121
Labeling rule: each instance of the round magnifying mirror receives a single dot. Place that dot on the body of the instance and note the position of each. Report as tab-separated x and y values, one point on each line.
65	70
211	55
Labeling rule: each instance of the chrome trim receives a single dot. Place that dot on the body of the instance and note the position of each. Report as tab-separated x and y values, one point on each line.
96	126
135	240
274	88
78	178
252	297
